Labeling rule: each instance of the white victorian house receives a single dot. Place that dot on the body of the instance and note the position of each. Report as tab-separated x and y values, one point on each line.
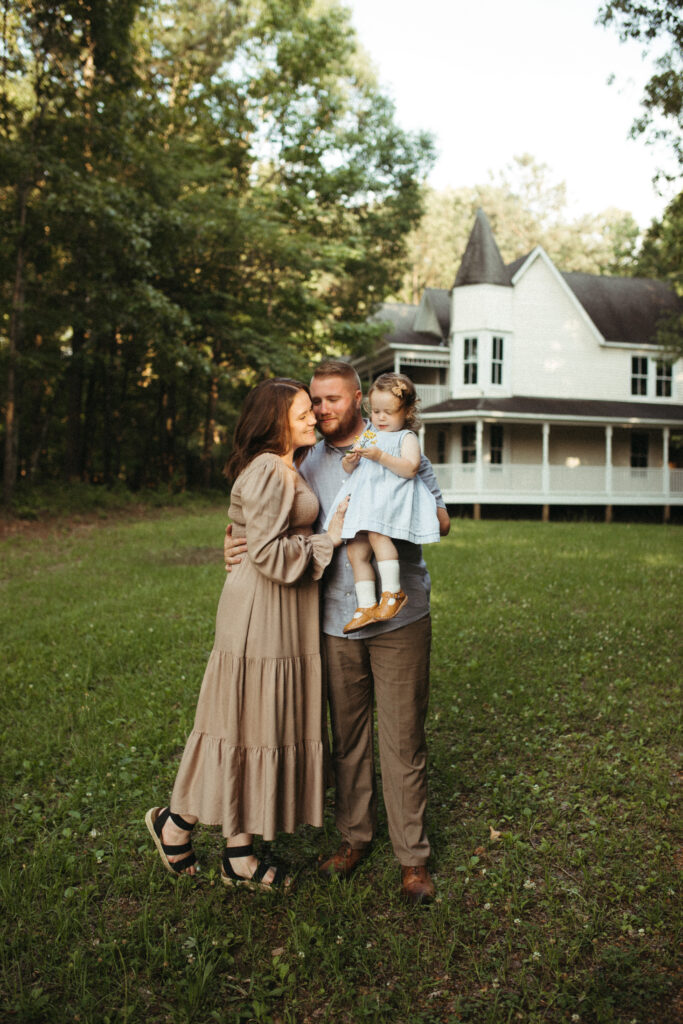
539	387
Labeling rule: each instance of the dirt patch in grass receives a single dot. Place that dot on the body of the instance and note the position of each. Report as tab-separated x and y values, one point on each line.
79	522
11	526
194	556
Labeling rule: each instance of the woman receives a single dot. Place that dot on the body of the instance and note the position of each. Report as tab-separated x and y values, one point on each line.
253	762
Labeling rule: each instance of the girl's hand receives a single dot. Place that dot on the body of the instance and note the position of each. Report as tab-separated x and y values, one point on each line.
335	528
372	452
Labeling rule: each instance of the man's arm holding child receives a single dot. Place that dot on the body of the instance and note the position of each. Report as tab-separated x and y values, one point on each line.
428	477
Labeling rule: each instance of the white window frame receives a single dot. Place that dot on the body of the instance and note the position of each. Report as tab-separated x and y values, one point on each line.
470	360
639	375
470	449
498	448
497	359
441	447
639	457
663	379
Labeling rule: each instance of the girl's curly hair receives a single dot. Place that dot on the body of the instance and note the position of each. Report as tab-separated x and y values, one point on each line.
404	389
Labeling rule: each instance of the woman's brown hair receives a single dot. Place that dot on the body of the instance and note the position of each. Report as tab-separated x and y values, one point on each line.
404	389
263	425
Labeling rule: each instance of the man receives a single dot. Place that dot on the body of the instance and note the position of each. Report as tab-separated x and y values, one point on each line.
387	661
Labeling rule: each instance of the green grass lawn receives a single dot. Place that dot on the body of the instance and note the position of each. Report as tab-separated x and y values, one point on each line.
553	731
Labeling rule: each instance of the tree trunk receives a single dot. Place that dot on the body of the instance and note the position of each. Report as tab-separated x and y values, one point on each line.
73	455
209	426
88	425
108	390
15	331
171	416
40	444
168	434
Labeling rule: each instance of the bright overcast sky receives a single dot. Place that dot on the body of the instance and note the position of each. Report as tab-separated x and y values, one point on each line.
493	79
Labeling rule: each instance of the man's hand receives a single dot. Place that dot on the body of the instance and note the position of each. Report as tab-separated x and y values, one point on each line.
335	528
351	460
233	548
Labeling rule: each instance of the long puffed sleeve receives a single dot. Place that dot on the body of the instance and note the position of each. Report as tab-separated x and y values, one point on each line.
264	497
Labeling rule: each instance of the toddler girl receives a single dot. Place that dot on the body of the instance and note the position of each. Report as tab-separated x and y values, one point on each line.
388	499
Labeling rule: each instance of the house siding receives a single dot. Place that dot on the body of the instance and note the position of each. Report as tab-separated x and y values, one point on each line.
555	350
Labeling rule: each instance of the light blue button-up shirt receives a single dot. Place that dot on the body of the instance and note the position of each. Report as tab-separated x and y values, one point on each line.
323	472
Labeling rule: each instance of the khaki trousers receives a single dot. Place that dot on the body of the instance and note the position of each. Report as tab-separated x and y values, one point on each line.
391	670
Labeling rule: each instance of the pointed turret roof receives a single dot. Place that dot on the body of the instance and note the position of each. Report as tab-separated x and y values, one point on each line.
482	262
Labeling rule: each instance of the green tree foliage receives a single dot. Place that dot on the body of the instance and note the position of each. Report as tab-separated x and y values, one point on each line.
661	256
195	195
658	24
63	69
525	209
655	23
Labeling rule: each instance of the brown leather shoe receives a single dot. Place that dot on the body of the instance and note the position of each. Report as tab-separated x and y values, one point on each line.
361	617
389	605
416	886
342	862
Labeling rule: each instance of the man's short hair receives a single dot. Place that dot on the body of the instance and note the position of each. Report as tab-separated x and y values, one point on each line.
338	368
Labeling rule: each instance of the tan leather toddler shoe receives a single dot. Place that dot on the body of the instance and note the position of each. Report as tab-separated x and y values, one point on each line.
361	617
390	605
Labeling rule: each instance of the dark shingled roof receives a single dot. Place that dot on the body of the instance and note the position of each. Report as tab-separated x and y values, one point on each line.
513	267
623	308
401	315
440	299
559	407
482	262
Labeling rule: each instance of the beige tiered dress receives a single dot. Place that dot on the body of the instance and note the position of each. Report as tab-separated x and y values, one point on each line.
254	761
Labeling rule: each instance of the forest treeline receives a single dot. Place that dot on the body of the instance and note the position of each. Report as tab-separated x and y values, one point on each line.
195	194
192	194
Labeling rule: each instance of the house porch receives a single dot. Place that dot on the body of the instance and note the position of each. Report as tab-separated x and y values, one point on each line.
489	461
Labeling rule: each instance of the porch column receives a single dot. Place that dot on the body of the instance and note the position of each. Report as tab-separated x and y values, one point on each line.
397	362
421	436
609	430
665	464
479	458
545	469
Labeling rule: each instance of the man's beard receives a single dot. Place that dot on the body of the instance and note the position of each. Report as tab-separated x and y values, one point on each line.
343	428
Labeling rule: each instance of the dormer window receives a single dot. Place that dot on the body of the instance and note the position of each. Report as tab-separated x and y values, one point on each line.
496	360
470	361
663	380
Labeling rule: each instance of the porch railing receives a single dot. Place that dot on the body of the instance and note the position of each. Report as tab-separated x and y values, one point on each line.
431	394
534	483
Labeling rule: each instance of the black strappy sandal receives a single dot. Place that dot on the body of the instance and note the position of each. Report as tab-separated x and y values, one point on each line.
228	876
155	819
